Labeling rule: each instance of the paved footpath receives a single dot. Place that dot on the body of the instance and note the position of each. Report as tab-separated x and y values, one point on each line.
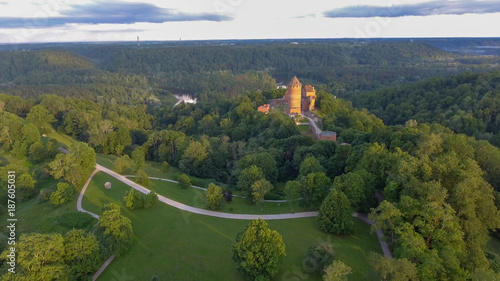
380	234
184	207
175	204
204	189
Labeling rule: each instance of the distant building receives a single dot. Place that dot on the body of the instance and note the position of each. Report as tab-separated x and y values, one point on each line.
328	135
264	108
299	100
308	98
293	96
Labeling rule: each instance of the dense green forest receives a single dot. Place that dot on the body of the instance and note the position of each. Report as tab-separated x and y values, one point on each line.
468	103
149	73
432	188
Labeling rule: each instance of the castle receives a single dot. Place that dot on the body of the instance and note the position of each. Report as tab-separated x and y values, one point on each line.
298	100
301	101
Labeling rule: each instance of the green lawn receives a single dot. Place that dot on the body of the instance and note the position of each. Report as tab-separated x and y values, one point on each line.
176	245
64	140
153	169
33	216
194	197
303	128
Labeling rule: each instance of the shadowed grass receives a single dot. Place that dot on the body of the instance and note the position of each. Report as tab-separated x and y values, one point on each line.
176	245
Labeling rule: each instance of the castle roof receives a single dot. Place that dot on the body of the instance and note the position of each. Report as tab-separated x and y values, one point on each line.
295	82
309	88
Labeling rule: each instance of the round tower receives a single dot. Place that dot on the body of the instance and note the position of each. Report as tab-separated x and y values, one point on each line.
294	96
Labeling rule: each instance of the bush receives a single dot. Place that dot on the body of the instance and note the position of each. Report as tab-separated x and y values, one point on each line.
228	195
142	178
138	200
62	195
184	181
272	196
45	194
76	220
214	196
318	257
165	166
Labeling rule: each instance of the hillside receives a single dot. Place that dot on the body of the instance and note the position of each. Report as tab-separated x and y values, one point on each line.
468	103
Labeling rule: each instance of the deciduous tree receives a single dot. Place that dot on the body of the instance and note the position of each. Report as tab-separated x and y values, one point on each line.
258	251
335	214
337	271
184	181
259	190
114	229
213	196
292	192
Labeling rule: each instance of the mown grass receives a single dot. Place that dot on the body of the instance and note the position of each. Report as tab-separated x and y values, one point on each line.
64	140
195	197
176	245
303	128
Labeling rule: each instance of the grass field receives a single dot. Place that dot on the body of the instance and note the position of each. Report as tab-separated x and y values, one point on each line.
153	169
62	139
194	197
303	128
33	216
176	245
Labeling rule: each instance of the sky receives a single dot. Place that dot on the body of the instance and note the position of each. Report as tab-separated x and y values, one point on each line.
23	21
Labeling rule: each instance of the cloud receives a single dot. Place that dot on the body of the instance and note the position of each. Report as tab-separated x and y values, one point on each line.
450	7
109	12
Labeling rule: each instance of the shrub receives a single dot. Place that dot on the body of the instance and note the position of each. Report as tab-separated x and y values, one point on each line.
45	194
62	195
184	181
76	220
228	195
138	200
214	196
318	257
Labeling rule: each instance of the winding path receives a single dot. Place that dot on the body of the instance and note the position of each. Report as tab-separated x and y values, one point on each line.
184	207
204	189
175	204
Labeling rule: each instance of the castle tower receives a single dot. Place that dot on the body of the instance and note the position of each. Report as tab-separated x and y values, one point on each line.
294	96
308	98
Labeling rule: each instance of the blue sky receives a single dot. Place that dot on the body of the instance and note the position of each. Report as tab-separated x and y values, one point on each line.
124	20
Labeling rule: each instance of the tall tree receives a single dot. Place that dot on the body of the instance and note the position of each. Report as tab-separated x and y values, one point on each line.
337	271
259	189
353	187
139	158
292	192
247	178
310	165
75	166
315	188
213	196
394	269
82	253
41	117
114	229
258	251
335	214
